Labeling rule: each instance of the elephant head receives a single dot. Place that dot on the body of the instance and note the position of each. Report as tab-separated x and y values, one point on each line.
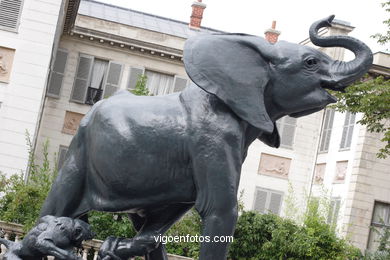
262	82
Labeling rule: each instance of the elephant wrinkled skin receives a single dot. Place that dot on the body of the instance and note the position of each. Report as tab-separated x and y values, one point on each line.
156	157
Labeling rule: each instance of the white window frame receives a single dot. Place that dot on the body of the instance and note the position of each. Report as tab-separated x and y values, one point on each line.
281	123
88	81
16	29
377	225
348	134
52	72
334	210
144	70
268	200
326	131
61	148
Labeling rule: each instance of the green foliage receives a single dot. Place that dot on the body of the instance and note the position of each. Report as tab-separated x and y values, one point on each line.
383	250
384	240
370	97
22	200
268	236
108	224
140	88
190	224
301	235
291	207
384	38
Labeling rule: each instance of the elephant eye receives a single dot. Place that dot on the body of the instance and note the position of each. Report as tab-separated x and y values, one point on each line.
311	62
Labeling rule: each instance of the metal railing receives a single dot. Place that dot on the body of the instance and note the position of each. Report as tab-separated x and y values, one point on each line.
89	250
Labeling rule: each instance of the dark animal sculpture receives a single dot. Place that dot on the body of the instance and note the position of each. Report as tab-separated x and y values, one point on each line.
157	157
56	236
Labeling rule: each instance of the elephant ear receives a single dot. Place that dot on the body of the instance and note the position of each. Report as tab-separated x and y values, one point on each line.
235	68
272	140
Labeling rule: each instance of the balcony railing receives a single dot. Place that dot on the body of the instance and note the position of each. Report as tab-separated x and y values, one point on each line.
93	95
90	249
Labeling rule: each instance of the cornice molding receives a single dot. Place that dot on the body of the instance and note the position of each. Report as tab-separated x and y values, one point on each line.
142	47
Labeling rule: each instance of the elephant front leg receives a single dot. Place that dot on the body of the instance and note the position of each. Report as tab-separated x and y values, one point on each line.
218	225
217	177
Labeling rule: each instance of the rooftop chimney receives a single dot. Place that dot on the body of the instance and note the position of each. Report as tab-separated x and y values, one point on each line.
271	34
197	14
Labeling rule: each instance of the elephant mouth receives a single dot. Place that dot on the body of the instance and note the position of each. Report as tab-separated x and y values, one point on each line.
328	100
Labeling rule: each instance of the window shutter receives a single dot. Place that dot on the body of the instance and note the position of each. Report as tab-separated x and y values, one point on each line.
113	78
57	74
288	135
286	127
260	201
134	74
327	130
274	203
81	81
10	13
61	156
267	201
349	124
350	129
179	84
334	211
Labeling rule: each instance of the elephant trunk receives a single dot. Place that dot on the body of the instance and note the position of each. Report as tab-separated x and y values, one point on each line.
342	73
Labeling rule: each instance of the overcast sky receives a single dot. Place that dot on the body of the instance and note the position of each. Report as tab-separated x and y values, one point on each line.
254	16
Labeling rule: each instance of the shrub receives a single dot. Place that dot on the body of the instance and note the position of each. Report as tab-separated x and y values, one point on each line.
267	236
108	224
140	87
190	224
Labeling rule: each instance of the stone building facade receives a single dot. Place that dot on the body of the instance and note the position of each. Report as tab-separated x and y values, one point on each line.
28	34
107	49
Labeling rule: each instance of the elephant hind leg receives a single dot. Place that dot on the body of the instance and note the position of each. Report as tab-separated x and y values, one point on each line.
67	197
156	223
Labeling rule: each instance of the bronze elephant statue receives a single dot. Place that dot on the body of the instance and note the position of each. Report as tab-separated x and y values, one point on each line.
156	157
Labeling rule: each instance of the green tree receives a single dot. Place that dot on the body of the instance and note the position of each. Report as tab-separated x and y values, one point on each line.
371	97
268	237
108	224
190	224
384	38
140	87
22	201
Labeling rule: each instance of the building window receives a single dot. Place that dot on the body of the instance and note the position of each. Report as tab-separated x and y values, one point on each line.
286	126
267	201
379	223
349	124
326	131
61	156
333	211
95	79
10	11
57	74
157	83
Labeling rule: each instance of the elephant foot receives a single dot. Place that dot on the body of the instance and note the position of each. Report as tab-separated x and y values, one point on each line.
123	248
